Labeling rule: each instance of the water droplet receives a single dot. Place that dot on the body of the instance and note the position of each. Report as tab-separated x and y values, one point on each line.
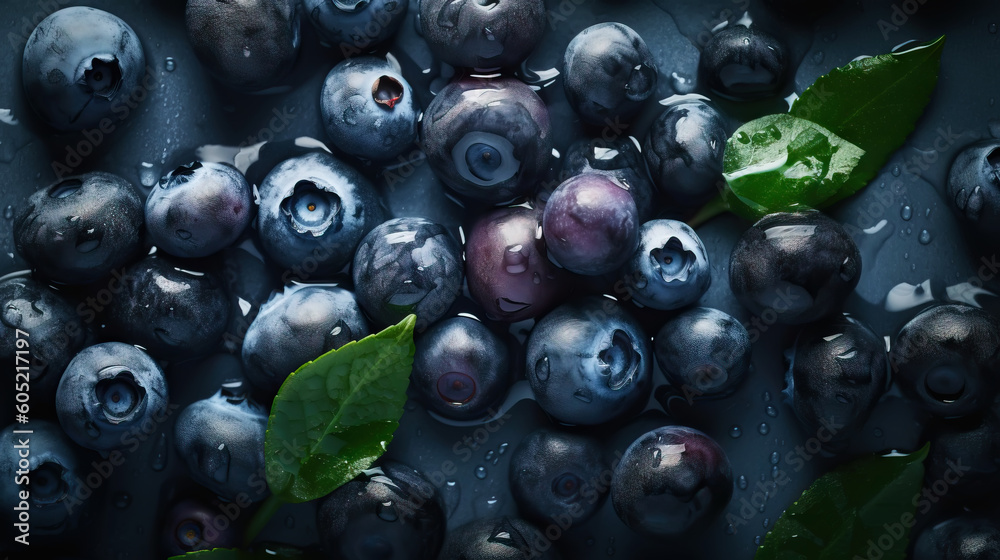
925	237
682	84
762	506
877	432
992	28
730	529
158	457
771	411
489	455
481	472
170	64
906	212
8	212
757	540
735	432
122	499
452	495
502	449
895	171
149	174
743	138
775	457
774	472
246	52
742	482
386	511
290	522
763	429
766	396
767	522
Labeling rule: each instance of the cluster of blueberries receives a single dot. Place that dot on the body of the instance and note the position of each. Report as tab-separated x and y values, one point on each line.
188	265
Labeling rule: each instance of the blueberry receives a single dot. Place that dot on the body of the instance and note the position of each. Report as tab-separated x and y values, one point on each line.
190	525
556	475
295	326
798	267
79	65
590	224
965	454
945	358
965	537
671	480
588	362
482	33
368	108
80	228
314	210
171	311
249	284
619	160
108	392
221	439
609	73
489	140
974	186
390	512
703	352
249	45
744	62
669	268
839	370
507	266
53	481
354	26
500	538
404	266
52	329
684	149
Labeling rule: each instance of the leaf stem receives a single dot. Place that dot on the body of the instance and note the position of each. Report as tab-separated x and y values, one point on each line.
710	210
260	519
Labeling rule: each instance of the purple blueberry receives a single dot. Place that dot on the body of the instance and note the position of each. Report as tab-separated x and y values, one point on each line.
589	362
974	186
609	73
967	536
743	62
508	270
355	26
482	33
191	525
80	228
591	225
198	209
619	160
669	268
703	352
500	538
79	65
965	455
489	140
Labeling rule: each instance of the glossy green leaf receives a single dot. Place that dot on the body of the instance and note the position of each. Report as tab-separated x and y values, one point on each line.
334	416
863	506
781	162
874	103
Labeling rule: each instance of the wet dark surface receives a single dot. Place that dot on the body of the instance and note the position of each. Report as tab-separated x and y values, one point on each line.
184	109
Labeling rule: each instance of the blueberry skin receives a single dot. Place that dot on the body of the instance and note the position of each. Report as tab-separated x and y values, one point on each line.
619	160
671	480
55	479
356	25
389	512
965	537
171	311
198	209
489	140
295	326
221	438
839	371
969	447
314	210
482	34
609	73
684	149
743	63
77	230
588	362
107	392
190	526
945	359
368	108
248	45
78	65
799	265
974	186
669	268
703	352
507	266
500	538
404	266
590	225
555	474
56	332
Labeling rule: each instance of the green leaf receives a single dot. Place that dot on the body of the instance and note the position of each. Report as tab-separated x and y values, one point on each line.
846	512
217	554
873	103
334	416
781	162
